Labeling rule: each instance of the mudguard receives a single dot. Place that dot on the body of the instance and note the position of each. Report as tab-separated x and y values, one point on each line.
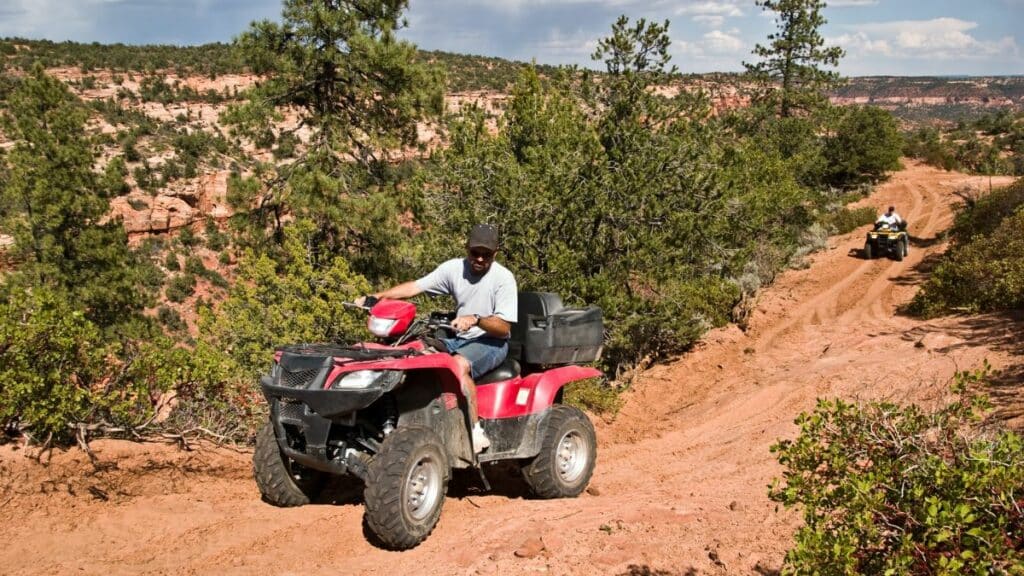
530	395
444	364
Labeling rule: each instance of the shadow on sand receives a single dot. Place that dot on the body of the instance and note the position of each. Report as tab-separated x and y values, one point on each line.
1001	332
644	570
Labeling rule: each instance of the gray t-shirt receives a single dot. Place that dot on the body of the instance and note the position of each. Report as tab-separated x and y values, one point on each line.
493	294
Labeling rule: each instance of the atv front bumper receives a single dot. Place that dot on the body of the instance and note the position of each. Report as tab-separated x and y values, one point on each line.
303	419
325	403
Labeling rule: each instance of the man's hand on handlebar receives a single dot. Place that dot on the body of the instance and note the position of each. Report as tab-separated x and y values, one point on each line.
463	323
368	301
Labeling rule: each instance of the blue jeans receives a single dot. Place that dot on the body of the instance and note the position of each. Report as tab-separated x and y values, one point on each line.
484	353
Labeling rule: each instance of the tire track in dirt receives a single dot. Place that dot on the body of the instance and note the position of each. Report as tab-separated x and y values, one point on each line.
681	477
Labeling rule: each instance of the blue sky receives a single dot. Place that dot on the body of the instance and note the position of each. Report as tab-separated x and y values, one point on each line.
901	37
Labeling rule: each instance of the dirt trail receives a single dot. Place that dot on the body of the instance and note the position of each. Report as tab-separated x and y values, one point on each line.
681	481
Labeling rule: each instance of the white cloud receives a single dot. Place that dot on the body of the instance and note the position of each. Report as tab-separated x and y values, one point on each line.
709	20
846	3
710	13
940	38
713	44
47	18
518	5
723	42
576	46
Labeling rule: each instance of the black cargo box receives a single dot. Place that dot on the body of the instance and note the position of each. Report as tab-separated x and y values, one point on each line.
548	333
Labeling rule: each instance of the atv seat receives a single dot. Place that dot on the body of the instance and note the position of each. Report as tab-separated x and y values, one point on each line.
505	371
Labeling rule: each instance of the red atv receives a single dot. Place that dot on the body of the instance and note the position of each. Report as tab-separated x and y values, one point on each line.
393	414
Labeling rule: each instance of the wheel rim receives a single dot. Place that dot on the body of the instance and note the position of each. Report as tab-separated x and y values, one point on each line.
423	487
571	457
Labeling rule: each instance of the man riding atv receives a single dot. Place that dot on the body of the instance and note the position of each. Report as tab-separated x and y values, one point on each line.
395	413
889	236
890	217
485	299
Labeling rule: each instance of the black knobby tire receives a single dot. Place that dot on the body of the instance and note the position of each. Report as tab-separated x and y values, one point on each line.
406	486
906	246
567	455
281	482
868	251
899	250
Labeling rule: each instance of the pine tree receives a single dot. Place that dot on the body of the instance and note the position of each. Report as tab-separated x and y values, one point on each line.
790	73
636	58
359	91
55	205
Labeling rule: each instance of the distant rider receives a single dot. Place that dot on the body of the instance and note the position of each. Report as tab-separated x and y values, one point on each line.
891	218
486	305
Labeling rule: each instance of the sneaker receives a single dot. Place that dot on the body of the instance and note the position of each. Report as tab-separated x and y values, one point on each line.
480	440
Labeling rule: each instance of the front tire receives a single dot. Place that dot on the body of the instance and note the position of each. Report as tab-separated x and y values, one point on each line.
406	486
900	250
280	481
567	455
869	252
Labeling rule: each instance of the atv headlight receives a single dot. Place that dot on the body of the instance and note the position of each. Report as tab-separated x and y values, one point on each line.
358	380
382	326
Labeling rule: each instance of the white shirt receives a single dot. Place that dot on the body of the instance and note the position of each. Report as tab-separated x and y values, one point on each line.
493	294
890	219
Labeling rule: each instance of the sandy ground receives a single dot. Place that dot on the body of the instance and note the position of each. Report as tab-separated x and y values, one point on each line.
682	476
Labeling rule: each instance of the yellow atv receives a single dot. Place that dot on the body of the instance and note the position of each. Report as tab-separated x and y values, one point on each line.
887	239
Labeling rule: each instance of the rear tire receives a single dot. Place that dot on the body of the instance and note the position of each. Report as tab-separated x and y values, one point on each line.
280	481
869	252
567	455
406	486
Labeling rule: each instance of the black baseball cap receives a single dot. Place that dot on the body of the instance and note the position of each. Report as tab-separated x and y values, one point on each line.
483	236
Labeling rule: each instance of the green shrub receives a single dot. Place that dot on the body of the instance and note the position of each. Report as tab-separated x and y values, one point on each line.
180	287
888	489
194	265
928	145
986	274
594	395
144	178
171	262
984	215
215	239
865	147
129	149
50	358
300	300
188	238
844	220
170	318
286	146
984	269
56	370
